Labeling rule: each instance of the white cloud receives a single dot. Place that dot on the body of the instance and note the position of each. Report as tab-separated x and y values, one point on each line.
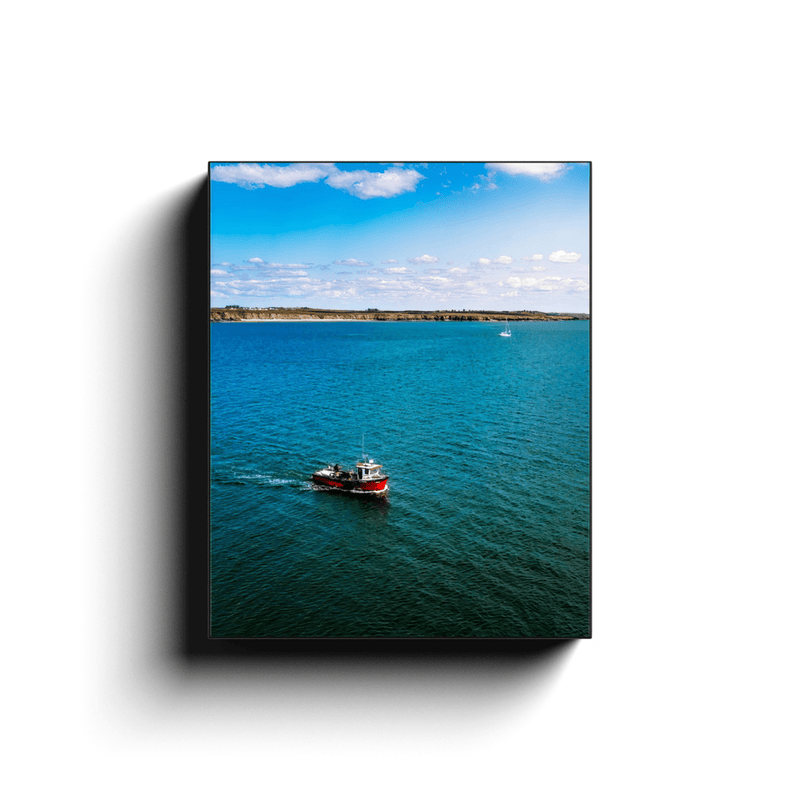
500	261
390	261
546	284
353	262
534	257
562	257
549	283
575	285
255	260
360	182
391	285
366	185
278	286
426	259
542	171
517	282
256	176
219	272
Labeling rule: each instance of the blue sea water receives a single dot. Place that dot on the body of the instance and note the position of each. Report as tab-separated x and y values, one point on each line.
484	531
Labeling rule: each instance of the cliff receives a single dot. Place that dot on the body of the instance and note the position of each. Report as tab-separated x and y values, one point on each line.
299	314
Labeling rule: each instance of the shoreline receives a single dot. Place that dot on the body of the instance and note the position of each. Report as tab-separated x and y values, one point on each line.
353	319
323	315
306	319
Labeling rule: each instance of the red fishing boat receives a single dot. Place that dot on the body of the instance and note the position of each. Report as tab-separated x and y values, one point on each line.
365	478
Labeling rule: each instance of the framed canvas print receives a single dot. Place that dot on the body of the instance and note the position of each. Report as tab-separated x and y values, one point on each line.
400	400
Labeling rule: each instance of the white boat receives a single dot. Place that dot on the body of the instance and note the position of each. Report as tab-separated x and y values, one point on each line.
507	331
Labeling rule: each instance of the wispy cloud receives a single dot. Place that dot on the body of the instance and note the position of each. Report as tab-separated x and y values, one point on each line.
353	262
548	283
534	257
396	284
360	183
575	285
259	264
500	261
256	176
543	171
424	259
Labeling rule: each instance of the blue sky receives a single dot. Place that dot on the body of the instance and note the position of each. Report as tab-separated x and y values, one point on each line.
495	236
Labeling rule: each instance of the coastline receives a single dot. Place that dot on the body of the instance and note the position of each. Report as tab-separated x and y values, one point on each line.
341	315
303	319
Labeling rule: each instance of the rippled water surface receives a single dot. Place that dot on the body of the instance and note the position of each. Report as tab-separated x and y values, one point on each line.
484	531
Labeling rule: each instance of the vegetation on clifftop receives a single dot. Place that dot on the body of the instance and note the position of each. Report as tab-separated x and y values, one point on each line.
238	314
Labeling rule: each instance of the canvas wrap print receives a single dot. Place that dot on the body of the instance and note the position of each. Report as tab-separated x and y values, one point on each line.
399	394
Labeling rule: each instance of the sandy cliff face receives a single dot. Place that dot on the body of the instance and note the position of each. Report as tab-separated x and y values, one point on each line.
242	314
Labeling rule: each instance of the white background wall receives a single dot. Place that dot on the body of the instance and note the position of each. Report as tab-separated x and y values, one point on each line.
689	685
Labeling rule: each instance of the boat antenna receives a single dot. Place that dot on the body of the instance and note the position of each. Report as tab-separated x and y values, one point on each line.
363	454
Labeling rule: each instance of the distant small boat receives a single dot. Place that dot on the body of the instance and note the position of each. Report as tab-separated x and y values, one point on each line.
507	331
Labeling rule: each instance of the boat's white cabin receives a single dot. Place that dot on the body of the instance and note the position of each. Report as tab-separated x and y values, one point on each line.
368	469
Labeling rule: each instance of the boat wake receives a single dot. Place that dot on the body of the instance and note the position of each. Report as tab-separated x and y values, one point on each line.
260	479
316	487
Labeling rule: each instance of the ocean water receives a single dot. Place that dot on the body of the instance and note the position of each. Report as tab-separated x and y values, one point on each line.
484	531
